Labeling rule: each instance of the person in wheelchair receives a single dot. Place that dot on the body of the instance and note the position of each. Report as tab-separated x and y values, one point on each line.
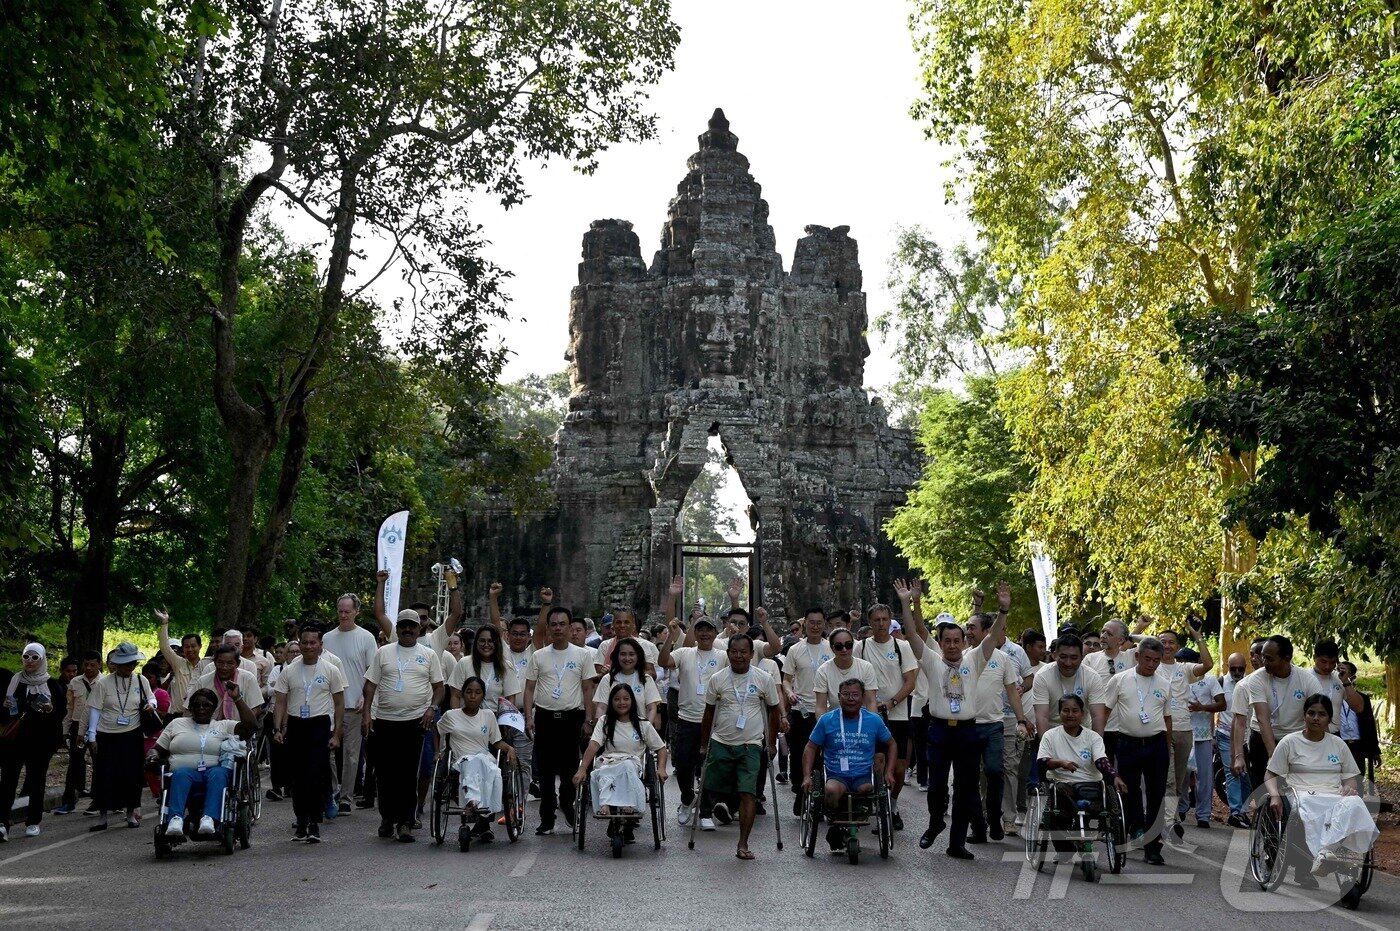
617	752
1322	778
1075	765
849	737
473	734
190	748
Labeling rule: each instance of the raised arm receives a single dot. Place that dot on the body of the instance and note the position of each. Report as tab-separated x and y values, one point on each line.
909	596
542	624
668	642
775	643
998	630
454	606
382	619
493	607
734	589
171	657
1203	644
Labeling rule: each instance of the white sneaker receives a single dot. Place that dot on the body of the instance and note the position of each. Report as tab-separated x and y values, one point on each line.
707	824
206	825
683	814
32	831
4	832
1020	820
176	826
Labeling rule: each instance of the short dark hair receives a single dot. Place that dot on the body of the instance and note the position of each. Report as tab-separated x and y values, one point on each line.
248	629
310	629
736	638
810	611
1327	648
197	640
559	609
67	661
1318	699
524	622
851	681
89	655
946	625
1069	640
742	613
1071	697
1032	636
837	616
1285	646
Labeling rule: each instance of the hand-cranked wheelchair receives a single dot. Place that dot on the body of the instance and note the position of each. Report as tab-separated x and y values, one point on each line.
238	811
622	826
1276	842
444	790
1073	817
856	811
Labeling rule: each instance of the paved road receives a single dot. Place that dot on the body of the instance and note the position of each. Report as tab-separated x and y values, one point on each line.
68	877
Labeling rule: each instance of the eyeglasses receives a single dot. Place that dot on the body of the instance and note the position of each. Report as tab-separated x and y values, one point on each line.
843	647
1237	669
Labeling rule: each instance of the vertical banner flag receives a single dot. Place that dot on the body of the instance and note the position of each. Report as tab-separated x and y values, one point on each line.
393	534
1043	568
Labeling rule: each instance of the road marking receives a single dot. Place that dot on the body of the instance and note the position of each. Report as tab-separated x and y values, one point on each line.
480	921
121	822
523	867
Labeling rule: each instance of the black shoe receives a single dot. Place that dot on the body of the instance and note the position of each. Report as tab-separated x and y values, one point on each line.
994	830
836	839
544	829
781	778
928	837
534	790
977	837
386	829
722	814
1238	821
313	834
897	821
1154	858
300	832
1202	824
758	809
272	795
1178	830
1304	880
960	853
797	804
405	835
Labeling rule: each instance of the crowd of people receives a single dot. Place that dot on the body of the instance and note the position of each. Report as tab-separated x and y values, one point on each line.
352	718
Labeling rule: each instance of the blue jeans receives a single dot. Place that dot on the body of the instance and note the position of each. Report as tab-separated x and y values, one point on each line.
1237	788
993	742
1205	779
214	779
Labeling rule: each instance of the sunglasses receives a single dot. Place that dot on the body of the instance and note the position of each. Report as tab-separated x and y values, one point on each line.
1237	669
843	647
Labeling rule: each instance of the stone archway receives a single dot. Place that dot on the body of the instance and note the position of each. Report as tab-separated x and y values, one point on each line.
713	335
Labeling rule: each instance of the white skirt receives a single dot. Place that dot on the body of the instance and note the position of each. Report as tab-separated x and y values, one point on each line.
1336	823
617	781
481	782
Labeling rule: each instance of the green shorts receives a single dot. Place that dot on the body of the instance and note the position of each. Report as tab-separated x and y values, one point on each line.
732	769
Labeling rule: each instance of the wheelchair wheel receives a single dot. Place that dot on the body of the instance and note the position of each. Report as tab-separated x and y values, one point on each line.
1037	838
656	805
1267	857
255	794
439	790
1115	835
884	821
226	835
1090	868
244	830
509	802
853	851
617	844
811	817
581	813
464	837
162	846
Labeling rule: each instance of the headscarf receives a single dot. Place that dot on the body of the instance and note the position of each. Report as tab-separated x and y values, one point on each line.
37	681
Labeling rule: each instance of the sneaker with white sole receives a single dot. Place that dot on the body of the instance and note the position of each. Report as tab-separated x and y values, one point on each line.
682	814
206	825
175	827
32	831
707	824
722	813
1020	820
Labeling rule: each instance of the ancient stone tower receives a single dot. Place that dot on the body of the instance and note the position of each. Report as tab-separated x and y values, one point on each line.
713	337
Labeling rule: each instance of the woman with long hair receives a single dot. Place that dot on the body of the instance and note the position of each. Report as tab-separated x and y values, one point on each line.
474	734
31	728
487	662
617	752
629	668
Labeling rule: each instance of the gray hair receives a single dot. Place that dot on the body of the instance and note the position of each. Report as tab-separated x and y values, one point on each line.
1150	643
851	681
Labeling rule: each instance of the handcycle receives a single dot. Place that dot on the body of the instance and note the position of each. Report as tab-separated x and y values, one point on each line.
1079	815
621	824
1276	842
857	810
444	792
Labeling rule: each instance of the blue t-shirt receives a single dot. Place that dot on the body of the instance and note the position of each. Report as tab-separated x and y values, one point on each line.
849	745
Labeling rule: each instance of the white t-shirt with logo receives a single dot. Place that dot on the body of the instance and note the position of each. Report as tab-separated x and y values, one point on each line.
741	703
627	740
356	649
1204	691
891	661
1284	698
650	651
693	670
1181	676
999	676
314	687
830	676
1314	765
1085	750
559	676
1141	703
803	661
495	688
644	693
945	682
1230	688
471	734
403	678
1049	687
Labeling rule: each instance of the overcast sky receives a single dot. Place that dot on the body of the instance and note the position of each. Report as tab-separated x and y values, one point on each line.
818	94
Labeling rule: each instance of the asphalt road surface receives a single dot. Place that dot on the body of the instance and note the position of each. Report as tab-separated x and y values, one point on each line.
68	877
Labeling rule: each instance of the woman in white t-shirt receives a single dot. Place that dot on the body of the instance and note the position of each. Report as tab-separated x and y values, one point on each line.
487	662
617	752
192	745
1073	754
471	734
629	668
1322	774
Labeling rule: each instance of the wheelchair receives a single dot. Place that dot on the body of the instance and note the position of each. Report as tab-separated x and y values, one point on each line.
858	810
443	791
618	823
1276	842
1079	814
234	827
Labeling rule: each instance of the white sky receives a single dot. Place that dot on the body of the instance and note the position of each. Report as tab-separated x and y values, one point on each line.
818	93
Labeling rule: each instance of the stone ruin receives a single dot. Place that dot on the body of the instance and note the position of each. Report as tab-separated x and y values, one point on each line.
713	338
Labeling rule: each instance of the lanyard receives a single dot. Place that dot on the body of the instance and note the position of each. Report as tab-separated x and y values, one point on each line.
309	680
204	739
398	658
860	726
1277	706
1142	698
741	690
121	699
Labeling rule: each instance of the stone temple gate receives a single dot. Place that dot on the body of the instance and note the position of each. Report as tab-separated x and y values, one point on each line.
714	337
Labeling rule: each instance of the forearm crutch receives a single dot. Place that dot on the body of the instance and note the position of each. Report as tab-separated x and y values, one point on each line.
699	791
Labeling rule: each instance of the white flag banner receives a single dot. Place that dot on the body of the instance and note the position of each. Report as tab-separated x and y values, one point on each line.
393	535
1043	568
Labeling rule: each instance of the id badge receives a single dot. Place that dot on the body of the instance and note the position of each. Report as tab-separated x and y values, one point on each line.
699	688
741	722
845	764
556	693
1145	718
201	767
306	711
123	720
398	684
954	705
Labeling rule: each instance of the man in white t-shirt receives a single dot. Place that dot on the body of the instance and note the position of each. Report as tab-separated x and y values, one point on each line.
1326	654
897	675
1274	709
355	647
1236	786
309	718
403	687
559	680
998	698
1140	700
1205	697
1182	676
693	668
800	667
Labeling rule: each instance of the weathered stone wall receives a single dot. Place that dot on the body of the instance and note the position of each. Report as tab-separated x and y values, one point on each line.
713	337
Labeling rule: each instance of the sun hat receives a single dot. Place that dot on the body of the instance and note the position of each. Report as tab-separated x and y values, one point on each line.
125	652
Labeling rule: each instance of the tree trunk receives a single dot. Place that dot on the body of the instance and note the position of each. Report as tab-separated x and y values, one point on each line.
99	491
274	531
250	454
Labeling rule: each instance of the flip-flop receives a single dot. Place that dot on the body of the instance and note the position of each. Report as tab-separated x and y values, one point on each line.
745	855
98	827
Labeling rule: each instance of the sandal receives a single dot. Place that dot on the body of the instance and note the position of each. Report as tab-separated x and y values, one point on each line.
744	854
99	826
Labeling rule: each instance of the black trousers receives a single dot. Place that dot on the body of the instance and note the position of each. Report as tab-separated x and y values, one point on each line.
307	759
1256	761
33	757
397	749
117	775
557	753
687	745
76	780
800	728
918	736
1143	762
955	747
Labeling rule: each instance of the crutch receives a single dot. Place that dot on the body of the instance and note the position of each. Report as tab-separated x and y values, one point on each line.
773	787
695	811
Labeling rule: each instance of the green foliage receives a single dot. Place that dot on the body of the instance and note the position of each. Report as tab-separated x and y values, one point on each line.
957	527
